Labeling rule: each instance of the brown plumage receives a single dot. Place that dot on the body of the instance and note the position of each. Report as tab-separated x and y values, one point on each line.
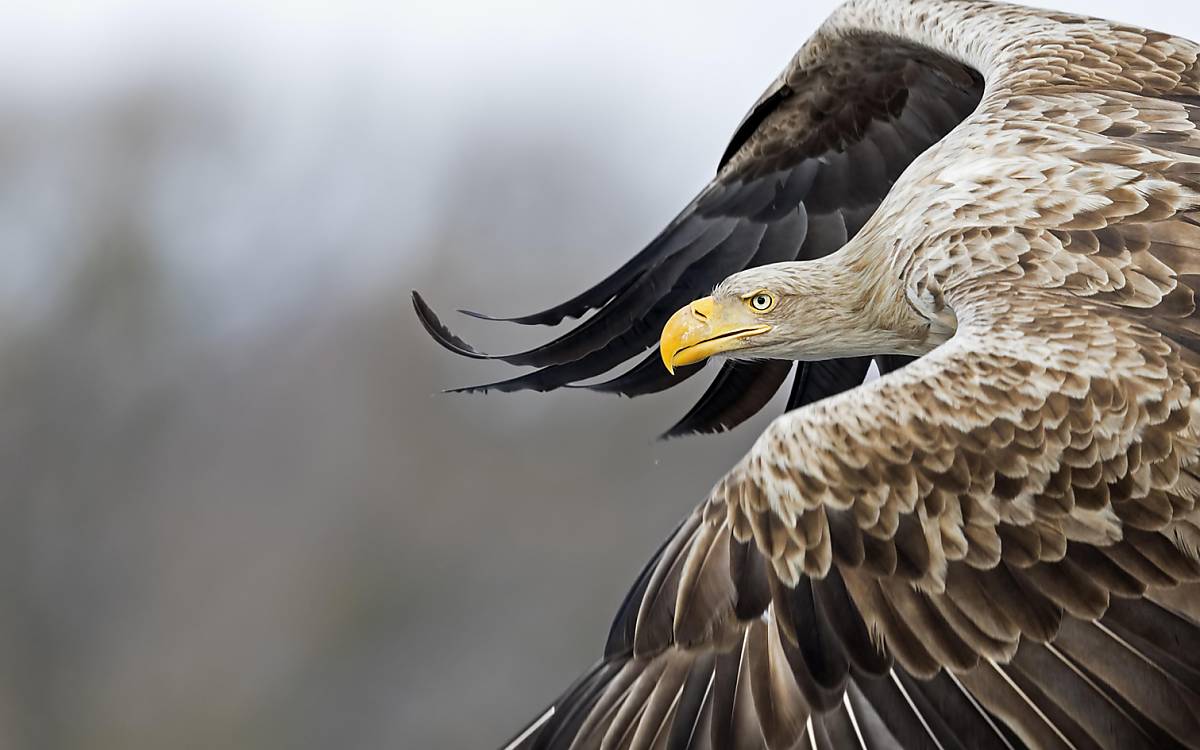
998	544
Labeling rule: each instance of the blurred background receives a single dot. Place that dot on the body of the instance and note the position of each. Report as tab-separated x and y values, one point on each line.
237	512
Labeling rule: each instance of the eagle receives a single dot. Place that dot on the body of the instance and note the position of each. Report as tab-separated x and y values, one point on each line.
995	543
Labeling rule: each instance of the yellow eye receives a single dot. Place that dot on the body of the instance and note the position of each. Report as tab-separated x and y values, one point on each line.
761	301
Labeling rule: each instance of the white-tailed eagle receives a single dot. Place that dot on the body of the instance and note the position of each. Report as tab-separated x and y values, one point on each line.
995	545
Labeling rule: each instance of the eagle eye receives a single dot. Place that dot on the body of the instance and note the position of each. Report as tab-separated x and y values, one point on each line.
762	301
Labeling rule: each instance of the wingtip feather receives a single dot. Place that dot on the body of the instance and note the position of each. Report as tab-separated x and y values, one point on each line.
440	333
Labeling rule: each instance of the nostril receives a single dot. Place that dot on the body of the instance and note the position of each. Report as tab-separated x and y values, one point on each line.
698	312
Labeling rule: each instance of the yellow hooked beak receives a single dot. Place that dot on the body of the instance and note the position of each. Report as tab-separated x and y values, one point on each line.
702	329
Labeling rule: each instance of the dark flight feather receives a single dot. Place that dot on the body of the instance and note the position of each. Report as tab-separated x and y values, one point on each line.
775	198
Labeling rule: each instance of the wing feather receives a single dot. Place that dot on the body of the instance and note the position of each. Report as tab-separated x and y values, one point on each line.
802	174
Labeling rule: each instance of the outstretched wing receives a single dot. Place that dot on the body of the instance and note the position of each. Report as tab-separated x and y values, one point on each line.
981	548
999	544
805	170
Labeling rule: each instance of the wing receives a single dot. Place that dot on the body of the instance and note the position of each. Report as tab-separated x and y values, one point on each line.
804	171
999	544
981	550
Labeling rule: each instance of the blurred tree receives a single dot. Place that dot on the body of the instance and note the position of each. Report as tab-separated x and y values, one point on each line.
85	391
